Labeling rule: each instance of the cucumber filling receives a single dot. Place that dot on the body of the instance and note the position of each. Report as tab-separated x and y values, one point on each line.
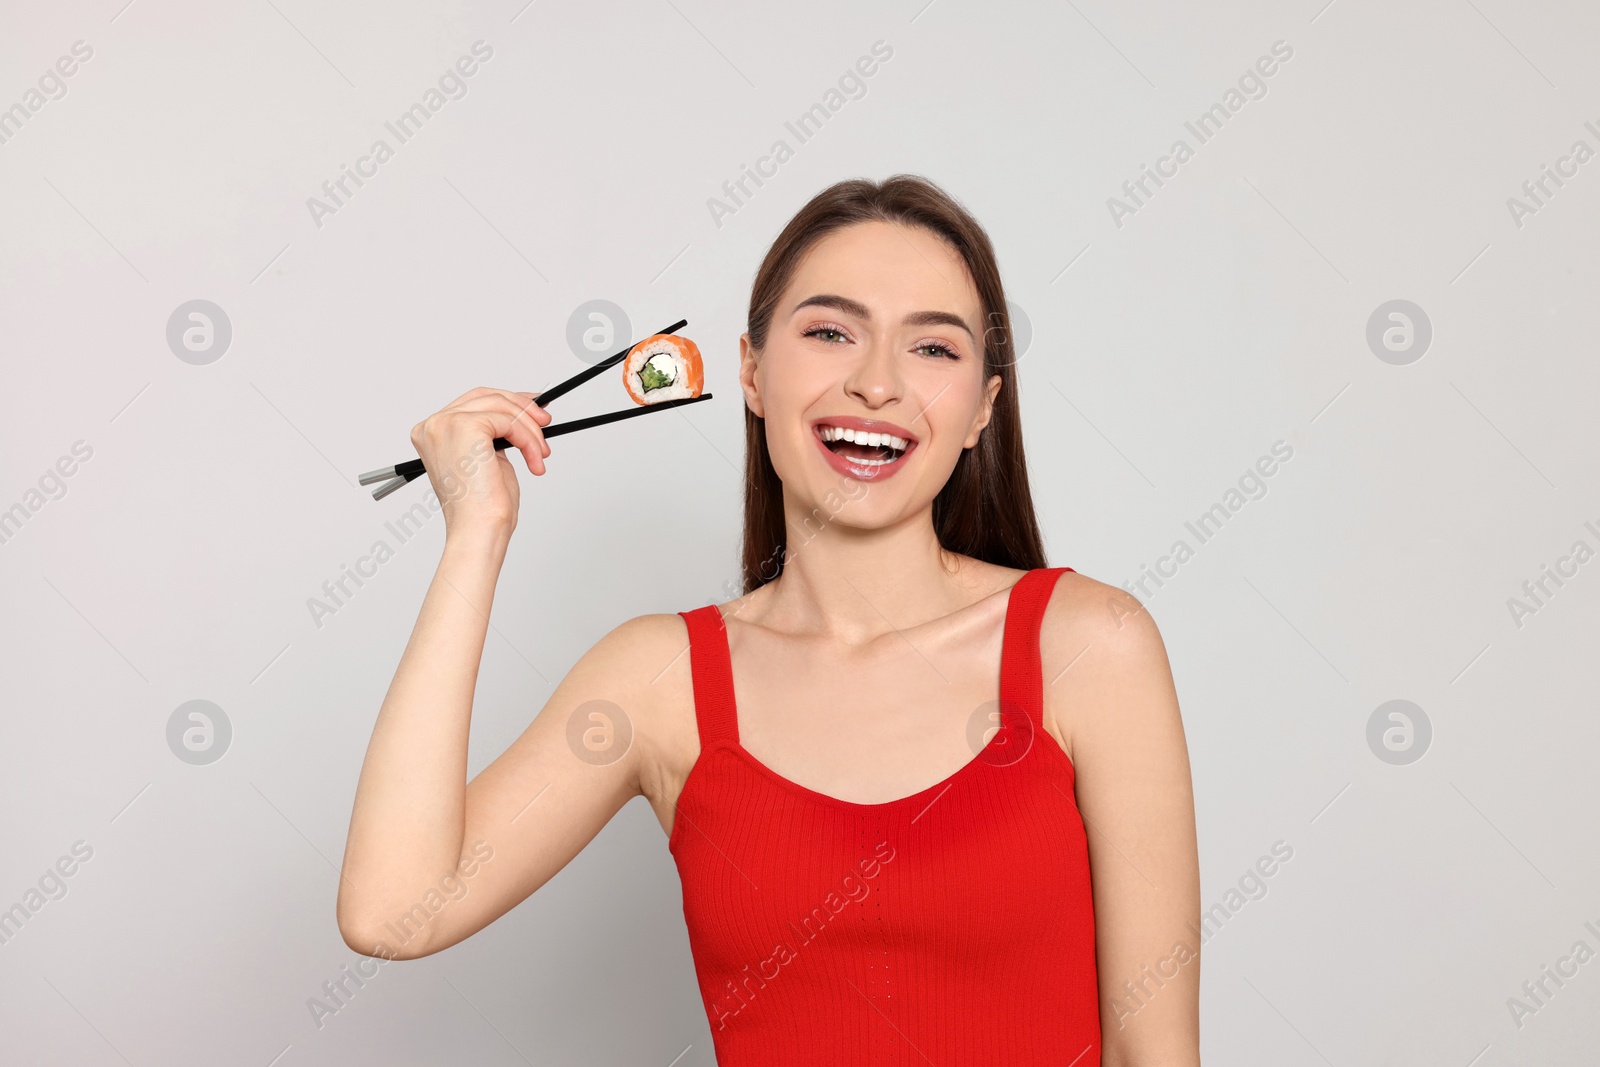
658	372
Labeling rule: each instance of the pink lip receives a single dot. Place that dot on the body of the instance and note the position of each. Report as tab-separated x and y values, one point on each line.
860	471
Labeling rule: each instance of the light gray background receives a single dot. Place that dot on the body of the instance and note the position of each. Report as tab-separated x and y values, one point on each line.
1168	354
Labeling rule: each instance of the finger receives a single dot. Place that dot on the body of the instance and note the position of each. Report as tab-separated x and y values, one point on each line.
512	420
470	394
524	399
520	405
530	400
512	424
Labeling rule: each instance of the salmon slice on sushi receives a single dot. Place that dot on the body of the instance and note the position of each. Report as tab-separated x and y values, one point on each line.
663	367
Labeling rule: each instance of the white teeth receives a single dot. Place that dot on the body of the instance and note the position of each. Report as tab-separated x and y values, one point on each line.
871	440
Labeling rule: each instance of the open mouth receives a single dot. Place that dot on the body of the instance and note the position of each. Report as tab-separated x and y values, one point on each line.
863	449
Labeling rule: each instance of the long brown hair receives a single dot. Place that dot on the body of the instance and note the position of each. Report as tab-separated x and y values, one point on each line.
985	510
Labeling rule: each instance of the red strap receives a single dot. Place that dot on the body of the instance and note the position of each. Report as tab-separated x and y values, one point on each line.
1021	681
1021	672
712	668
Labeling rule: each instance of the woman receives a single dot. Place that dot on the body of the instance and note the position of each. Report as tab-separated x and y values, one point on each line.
899	627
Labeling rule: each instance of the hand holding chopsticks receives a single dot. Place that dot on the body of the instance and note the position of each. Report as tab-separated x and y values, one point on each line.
398	475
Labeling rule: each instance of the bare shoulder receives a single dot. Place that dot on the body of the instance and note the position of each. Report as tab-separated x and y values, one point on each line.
642	634
1099	647
649	656
1087	609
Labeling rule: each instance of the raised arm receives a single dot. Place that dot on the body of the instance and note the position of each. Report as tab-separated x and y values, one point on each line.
431	858
1109	690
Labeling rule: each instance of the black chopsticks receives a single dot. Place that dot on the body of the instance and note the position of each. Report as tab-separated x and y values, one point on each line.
401	473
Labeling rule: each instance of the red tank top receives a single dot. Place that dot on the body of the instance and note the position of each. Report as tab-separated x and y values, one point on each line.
951	926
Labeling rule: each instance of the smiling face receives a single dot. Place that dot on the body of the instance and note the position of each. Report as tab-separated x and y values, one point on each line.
871	382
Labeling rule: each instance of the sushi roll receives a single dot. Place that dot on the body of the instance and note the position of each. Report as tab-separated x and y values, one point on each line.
663	367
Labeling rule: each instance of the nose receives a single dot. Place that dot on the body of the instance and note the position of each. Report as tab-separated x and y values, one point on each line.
875	377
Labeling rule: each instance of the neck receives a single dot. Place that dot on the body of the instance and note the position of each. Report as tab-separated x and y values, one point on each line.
853	584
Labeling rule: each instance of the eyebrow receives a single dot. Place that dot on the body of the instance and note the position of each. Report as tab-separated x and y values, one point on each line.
859	310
